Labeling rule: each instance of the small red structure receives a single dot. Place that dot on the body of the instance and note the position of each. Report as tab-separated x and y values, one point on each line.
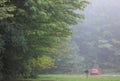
94	72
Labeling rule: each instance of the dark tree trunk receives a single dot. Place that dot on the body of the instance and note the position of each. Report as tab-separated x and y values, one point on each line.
5	69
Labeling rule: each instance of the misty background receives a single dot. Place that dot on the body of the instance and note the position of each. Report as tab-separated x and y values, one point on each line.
96	41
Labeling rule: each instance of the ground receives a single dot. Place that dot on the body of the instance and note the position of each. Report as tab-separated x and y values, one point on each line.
76	78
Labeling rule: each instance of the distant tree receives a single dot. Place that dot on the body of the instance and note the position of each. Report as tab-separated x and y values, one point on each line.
98	40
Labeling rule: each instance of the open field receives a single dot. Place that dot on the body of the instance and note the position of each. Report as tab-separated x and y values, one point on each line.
76	78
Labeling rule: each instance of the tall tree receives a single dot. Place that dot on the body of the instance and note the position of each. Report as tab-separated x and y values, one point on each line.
30	29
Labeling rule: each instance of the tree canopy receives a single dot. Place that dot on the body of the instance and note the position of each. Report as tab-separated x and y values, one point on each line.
32	30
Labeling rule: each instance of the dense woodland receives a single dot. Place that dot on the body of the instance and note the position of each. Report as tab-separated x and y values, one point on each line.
35	35
41	37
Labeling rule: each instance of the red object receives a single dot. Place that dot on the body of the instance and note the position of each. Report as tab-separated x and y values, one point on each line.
94	72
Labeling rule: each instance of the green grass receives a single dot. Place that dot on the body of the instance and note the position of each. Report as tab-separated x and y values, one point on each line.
75	78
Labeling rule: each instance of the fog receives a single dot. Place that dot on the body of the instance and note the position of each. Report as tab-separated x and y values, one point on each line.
97	40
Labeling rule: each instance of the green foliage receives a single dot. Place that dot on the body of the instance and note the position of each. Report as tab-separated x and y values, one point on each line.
45	62
30	29
6	10
42	63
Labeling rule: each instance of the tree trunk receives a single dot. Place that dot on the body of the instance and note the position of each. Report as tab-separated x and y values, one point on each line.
5	70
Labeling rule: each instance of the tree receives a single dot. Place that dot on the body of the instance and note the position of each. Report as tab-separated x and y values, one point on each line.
30	29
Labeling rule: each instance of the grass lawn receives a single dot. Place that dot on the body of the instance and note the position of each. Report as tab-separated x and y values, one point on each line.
76	78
